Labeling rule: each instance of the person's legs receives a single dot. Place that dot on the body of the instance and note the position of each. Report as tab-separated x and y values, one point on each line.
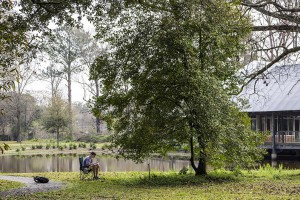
97	169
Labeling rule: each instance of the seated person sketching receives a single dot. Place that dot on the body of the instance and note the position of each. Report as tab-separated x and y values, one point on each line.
89	165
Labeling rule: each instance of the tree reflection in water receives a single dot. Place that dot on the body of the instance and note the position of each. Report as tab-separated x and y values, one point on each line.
70	163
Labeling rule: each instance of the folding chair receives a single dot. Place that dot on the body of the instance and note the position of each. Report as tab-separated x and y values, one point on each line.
84	173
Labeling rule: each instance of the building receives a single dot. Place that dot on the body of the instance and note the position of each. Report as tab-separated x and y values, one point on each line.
274	106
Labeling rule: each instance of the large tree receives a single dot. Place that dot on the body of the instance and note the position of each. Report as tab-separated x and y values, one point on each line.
167	81
66	48
13	45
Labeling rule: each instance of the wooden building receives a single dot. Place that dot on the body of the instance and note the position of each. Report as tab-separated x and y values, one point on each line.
274	106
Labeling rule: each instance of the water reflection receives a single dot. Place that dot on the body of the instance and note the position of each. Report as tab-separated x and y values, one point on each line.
70	163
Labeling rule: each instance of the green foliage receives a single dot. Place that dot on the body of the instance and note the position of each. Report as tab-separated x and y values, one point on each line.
23	148
184	170
33	147
48	146
17	150
95	138
270	171
169	81
3	148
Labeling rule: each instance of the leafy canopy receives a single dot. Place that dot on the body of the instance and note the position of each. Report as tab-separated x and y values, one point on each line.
168	79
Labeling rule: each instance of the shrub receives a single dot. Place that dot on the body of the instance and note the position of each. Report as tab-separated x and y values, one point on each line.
18	150
23	148
184	170
61	148
33	147
53	146
74	146
48	146
94	146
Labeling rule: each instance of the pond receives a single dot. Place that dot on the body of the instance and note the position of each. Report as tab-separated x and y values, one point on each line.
70	163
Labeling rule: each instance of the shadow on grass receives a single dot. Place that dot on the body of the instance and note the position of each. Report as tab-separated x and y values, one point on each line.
174	179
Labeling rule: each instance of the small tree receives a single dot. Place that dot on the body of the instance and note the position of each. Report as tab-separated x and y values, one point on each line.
56	117
4	147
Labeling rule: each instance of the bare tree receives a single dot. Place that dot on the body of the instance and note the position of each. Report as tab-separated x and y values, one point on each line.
91	86
66	48
275	37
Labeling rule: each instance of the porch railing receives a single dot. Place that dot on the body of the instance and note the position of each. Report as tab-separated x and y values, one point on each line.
286	137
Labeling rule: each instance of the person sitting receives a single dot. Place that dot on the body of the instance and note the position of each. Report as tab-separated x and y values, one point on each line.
89	165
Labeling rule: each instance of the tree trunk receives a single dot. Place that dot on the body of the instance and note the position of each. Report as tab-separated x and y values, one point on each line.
97	118
202	157
18	121
201	169
70	99
57	137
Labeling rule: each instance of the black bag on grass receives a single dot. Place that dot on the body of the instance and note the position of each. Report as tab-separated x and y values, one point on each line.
39	179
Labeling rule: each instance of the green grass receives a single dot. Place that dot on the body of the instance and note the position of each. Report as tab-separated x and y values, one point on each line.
26	147
219	184
7	185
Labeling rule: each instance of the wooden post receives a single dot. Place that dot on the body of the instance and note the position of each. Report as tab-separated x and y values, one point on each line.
149	170
273	155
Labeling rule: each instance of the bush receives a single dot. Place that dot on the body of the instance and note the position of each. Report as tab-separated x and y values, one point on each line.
95	138
184	170
74	146
61	148
33	147
48	146
94	146
40	146
18	150
53	146
66	146
23	148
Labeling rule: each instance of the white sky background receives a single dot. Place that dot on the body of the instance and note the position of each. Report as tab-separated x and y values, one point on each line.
39	88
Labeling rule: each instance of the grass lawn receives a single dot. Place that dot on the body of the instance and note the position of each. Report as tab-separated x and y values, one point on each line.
265	183
30	147
6	185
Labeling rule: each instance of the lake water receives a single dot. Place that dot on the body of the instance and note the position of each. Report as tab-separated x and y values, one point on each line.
70	163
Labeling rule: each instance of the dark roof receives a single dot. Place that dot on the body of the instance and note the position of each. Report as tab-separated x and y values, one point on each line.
279	90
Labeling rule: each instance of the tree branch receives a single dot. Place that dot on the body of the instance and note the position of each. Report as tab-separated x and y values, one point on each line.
291	28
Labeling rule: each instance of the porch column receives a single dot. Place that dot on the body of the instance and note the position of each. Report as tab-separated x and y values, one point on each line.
258	126
273	125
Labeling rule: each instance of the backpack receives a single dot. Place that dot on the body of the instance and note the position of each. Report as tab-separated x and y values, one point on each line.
39	179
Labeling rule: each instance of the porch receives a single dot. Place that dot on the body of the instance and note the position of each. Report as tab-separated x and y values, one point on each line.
284	128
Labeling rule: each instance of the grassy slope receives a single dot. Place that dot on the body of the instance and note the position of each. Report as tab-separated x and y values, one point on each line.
266	183
29	151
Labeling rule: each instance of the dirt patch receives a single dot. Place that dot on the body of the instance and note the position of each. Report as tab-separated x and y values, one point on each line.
31	186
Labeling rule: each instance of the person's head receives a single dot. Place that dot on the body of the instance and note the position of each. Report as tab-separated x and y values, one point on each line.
93	154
